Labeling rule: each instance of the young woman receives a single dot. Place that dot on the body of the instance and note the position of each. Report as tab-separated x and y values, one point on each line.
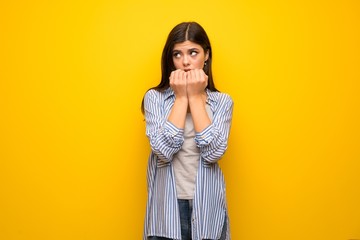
187	122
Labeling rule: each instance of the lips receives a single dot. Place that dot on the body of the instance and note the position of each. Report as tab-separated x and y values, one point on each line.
186	70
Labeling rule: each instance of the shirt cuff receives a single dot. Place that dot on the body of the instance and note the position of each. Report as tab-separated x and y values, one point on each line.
204	137
173	130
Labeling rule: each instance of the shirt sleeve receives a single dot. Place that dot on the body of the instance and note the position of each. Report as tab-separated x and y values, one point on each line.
213	140
165	138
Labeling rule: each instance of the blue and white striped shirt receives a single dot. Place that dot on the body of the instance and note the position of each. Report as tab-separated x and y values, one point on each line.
209	203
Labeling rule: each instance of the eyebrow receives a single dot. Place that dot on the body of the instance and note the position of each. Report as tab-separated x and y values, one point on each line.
191	49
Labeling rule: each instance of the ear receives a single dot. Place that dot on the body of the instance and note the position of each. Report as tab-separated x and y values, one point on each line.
207	55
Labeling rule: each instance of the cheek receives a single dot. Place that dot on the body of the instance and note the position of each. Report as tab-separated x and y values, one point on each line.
199	64
177	63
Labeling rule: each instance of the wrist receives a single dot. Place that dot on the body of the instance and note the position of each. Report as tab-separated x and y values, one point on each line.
182	99
195	99
195	96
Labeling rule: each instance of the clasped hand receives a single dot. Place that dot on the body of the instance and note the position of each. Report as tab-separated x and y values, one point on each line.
188	83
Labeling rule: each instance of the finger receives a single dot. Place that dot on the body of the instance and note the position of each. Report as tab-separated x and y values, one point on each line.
178	75
189	76
203	75
198	75
171	78
184	77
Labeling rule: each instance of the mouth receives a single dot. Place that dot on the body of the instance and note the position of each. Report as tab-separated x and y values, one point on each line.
186	70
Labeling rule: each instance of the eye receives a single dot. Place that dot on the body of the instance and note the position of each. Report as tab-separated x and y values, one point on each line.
193	53
176	54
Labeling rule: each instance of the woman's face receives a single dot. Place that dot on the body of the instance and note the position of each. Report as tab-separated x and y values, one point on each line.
189	55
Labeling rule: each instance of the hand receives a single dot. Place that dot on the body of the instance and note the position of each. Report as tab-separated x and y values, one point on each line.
197	81
178	83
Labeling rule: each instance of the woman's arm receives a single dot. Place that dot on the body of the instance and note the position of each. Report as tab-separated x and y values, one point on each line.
165	138
178	85
196	84
213	140
211	136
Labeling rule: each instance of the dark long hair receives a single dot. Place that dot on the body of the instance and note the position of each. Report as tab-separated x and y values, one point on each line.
182	32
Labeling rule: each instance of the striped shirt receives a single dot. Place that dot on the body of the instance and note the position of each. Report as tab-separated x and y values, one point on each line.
209	203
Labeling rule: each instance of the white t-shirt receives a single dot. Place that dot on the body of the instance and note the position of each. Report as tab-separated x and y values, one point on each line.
186	161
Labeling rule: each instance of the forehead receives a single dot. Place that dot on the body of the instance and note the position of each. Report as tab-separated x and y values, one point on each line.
186	45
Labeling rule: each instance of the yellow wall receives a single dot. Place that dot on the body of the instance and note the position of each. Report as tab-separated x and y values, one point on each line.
73	152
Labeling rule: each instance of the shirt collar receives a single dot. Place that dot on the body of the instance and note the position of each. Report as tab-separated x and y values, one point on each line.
212	97
168	93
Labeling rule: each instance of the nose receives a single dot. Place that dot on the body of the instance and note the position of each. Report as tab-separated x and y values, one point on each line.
186	61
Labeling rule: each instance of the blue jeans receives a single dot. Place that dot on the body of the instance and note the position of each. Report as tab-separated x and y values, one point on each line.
185	208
